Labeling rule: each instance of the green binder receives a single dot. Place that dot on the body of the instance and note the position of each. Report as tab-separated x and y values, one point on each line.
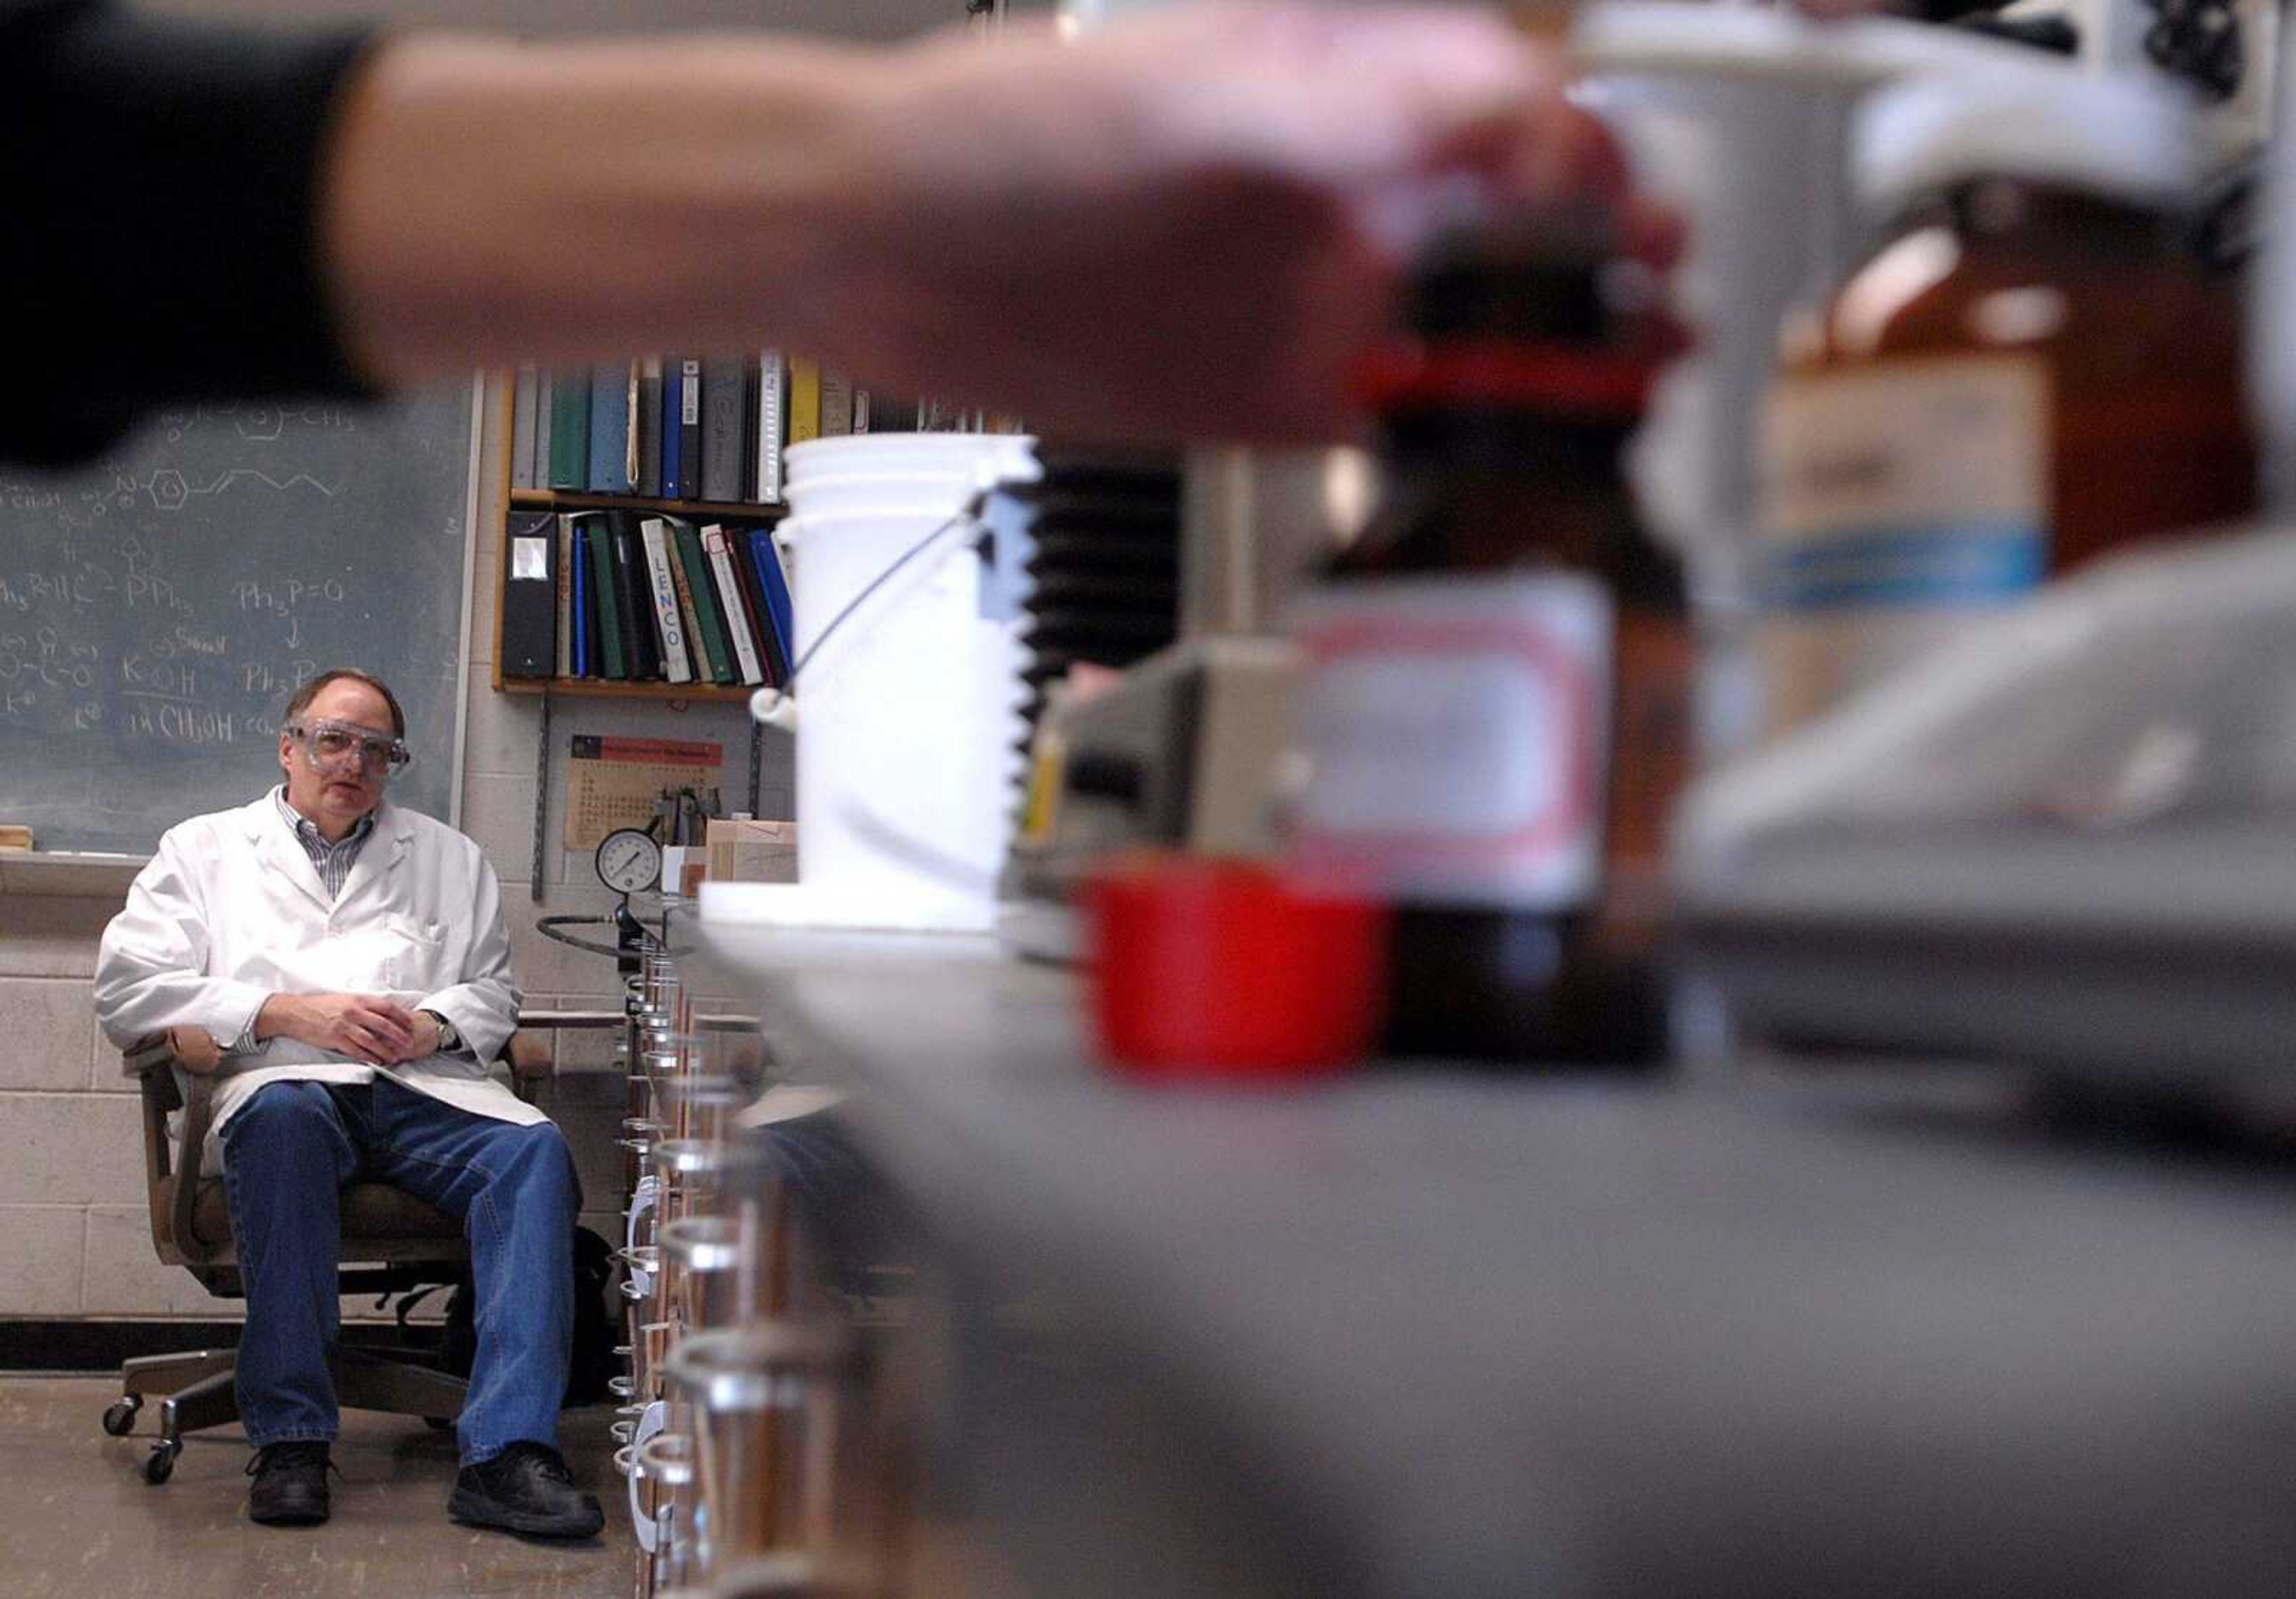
705	602
608	600
570	430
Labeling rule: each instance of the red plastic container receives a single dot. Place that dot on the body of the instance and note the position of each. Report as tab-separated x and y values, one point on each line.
1208	970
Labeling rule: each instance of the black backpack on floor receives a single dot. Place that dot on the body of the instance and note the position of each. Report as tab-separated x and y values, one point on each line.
595	1330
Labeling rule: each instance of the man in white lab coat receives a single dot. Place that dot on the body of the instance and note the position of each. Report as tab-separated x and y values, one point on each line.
349	957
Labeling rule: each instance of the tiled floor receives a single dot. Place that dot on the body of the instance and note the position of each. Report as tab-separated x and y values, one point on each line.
80	1522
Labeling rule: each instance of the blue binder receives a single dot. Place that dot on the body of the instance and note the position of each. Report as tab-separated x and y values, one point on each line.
767	560
581	605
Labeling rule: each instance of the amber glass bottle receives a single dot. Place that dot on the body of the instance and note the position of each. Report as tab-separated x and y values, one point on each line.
2032	369
1493	710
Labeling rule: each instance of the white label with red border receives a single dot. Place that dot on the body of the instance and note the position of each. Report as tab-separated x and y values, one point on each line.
1455	730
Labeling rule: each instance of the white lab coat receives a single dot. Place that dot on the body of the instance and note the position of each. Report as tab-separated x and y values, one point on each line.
231	911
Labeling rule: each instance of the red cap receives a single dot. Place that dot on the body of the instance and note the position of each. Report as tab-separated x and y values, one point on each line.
1569	380
1207	970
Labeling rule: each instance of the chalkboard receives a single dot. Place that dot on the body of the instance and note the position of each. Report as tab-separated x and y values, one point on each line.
157	609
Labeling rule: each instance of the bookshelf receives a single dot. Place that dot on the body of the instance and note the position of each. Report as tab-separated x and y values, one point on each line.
506	500
567	499
595	688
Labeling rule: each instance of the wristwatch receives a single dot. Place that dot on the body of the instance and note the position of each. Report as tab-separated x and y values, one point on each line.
450	1042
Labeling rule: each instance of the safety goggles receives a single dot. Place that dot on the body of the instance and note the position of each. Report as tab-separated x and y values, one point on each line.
331	744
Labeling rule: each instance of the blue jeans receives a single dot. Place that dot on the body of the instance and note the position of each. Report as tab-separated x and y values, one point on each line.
287	1156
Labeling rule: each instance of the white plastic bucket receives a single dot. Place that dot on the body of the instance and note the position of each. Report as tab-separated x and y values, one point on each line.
905	716
983	459
906	713
840	496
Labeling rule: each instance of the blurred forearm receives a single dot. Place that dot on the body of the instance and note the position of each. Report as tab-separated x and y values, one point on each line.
490	201
1186	225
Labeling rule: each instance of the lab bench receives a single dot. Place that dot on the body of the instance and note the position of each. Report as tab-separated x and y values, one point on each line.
1443	1334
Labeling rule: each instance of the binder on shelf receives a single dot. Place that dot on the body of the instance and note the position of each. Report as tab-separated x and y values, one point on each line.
642	642
584	624
861	409
735	605
673	427
750	378
608	650
836	403
729	664
633	595
709	667
696	656
570	429
529	596
522	430
753	603
766	560
566	580
706	606
543	399
676	665
630	458
773	376
609	428
648	416
721	430
689	410
804	400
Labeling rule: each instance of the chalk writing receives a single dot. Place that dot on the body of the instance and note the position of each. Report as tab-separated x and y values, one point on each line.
157	609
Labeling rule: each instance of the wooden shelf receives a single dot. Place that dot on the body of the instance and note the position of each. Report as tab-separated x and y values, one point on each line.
595	688
560	500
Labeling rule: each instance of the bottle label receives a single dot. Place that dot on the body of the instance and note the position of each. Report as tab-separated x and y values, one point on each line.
1895	501
1456	734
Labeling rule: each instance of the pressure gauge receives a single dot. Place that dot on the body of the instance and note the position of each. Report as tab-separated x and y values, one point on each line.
630	862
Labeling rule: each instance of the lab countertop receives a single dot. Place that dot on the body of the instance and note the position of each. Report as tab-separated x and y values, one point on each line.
1439	1333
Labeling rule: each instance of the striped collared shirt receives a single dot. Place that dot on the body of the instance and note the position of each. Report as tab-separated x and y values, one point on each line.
334	862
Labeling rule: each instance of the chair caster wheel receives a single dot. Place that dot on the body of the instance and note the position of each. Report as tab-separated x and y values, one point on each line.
119	1415
162	1463
439	1423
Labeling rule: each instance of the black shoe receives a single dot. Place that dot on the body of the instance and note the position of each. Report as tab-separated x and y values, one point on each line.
290	1483
526	1489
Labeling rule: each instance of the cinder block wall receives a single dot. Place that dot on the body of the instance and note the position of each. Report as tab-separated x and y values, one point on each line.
72	1185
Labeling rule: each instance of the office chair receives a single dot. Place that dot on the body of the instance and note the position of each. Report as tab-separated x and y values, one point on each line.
392	1243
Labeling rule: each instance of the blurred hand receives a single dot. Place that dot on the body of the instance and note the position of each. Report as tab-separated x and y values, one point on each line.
1186	225
1190	223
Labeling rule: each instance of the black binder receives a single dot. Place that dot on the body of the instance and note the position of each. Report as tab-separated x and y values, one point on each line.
634	597
689	435
529	596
